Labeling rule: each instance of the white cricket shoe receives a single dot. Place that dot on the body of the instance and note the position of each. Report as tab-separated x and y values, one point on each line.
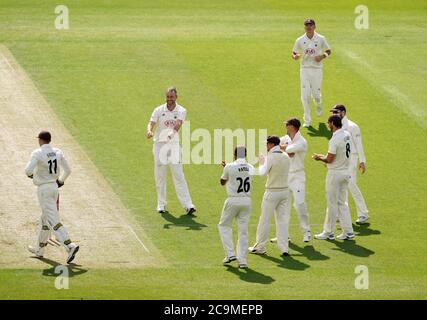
256	250
307	236
73	248
319	111
38	252
362	220
274	240
345	236
243	266
227	260
324	236
306	125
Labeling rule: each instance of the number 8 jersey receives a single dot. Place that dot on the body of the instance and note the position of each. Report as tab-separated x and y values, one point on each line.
239	178
339	145
45	164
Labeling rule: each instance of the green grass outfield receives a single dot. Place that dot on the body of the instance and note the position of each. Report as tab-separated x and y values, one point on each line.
231	63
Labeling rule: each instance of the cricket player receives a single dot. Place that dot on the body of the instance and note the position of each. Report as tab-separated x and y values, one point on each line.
276	198
296	146
357	155
166	149
312	48
337	179
238	178
44	168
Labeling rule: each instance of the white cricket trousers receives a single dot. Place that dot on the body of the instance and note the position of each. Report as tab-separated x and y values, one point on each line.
169	155
238	208
337	207
359	201
50	221
277	203
296	183
311	82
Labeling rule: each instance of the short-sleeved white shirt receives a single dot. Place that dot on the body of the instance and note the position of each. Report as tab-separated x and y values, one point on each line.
166	120
239	178
309	48
340	146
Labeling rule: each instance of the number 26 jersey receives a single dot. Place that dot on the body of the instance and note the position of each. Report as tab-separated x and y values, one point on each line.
239	178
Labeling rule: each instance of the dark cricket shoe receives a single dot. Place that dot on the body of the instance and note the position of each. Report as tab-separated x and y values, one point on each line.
72	253
227	260
191	211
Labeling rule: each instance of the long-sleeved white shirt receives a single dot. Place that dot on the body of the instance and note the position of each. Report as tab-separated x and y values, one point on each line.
45	165
298	146
276	167
356	138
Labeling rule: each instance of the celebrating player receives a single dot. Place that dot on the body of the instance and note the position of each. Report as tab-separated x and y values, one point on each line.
295	146
169	118
357	154
337	179
238	177
276	198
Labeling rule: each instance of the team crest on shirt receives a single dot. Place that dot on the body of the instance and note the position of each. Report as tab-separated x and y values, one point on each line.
170	123
309	51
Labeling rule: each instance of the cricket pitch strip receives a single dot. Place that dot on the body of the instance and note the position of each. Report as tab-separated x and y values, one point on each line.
93	214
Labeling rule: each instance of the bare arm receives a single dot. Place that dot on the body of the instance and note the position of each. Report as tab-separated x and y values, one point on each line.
178	125
223	179
150	127
326	159
322	56
296	55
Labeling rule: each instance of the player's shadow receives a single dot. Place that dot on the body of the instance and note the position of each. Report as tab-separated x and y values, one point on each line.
73	269
184	220
309	252
364	230
250	275
287	262
322	131
351	247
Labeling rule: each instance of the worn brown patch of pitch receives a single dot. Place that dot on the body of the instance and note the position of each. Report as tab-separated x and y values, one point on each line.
94	215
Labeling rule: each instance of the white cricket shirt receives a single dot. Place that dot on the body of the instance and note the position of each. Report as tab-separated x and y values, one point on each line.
45	164
239	178
309	48
166	120
356	138
340	146
298	146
